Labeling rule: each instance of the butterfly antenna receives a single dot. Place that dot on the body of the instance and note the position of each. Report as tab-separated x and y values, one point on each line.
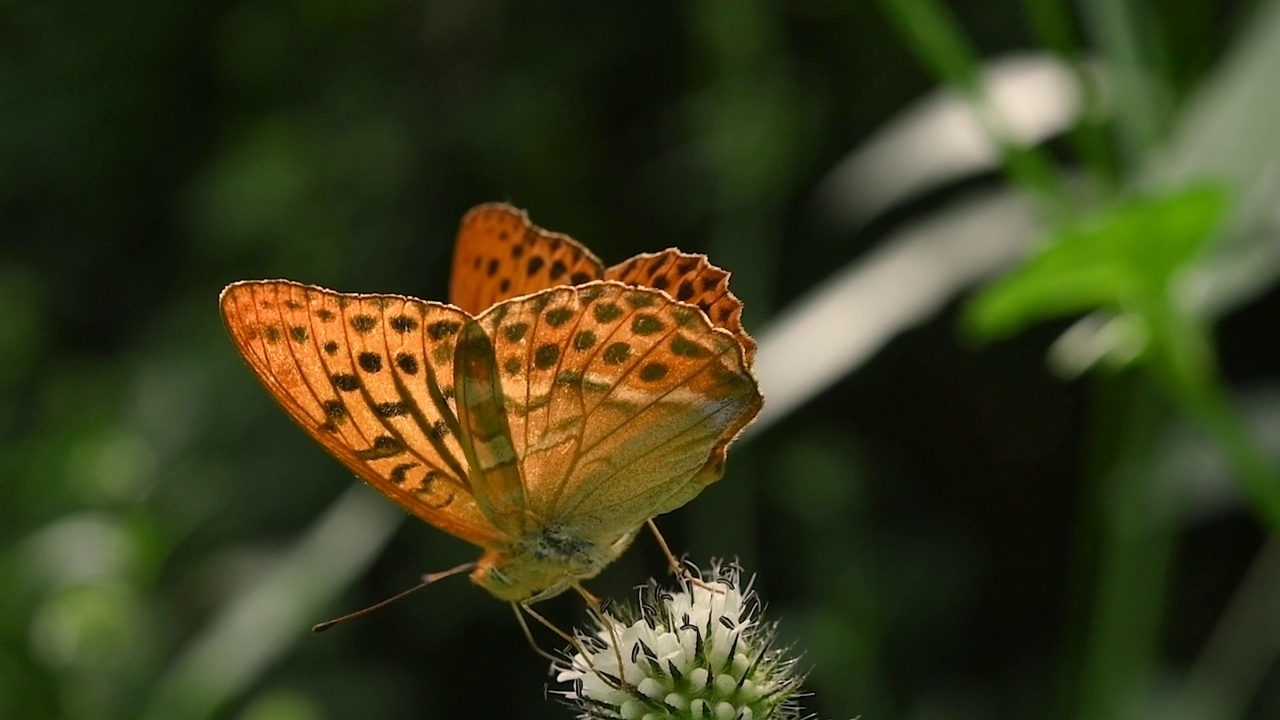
426	580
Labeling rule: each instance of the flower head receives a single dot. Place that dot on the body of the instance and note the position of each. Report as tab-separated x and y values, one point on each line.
700	652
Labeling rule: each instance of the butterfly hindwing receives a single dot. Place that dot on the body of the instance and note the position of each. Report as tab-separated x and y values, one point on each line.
689	279
371	378
617	397
500	254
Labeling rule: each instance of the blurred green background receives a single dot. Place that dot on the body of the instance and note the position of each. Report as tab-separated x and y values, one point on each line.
1051	498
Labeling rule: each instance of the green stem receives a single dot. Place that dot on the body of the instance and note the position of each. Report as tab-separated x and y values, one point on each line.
1185	362
1051	22
1136	533
935	38
1139	104
1207	401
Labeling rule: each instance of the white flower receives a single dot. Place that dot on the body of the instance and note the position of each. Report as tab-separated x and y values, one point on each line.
701	652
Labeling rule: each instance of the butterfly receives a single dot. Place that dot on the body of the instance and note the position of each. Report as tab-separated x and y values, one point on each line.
544	414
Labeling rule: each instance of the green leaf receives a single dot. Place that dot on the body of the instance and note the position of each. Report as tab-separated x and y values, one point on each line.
1122	259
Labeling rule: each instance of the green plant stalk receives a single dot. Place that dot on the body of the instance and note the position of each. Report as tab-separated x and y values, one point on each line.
1138	524
1187	367
934	37
1138	104
1052	25
1135	535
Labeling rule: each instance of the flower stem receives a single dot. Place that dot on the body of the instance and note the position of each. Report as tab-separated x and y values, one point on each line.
1136	532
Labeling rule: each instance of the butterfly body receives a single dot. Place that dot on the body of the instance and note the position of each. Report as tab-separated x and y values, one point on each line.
546	563
544	415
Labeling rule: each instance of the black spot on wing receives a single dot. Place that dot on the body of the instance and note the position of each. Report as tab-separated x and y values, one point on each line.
398	472
403	324
515	331
643	324
391	409
558	316
384	446
407	363
442	329
546	356
684	347
334	409
512	365
617	353
370	361
606	312
439	429
639	300
653	371
346	382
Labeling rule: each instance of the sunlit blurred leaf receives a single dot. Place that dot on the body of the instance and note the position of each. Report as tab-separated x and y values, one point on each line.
1129	254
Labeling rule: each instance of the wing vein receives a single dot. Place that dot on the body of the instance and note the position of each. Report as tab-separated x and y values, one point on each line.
656	449
368	397
656	398
582	403
419	419
297	362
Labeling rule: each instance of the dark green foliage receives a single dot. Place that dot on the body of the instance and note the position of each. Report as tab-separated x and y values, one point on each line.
927	531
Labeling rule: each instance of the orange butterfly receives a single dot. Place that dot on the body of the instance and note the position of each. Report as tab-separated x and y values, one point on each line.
545	415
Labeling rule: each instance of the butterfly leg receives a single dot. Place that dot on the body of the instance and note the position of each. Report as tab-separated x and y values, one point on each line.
678	568
526	606
528	634
597	608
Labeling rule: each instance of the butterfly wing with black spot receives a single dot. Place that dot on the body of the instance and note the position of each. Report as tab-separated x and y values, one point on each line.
617	397
500	254
371	378
690	279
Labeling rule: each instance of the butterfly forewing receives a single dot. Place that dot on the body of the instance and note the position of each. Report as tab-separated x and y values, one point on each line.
501	255
616	396
371	378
